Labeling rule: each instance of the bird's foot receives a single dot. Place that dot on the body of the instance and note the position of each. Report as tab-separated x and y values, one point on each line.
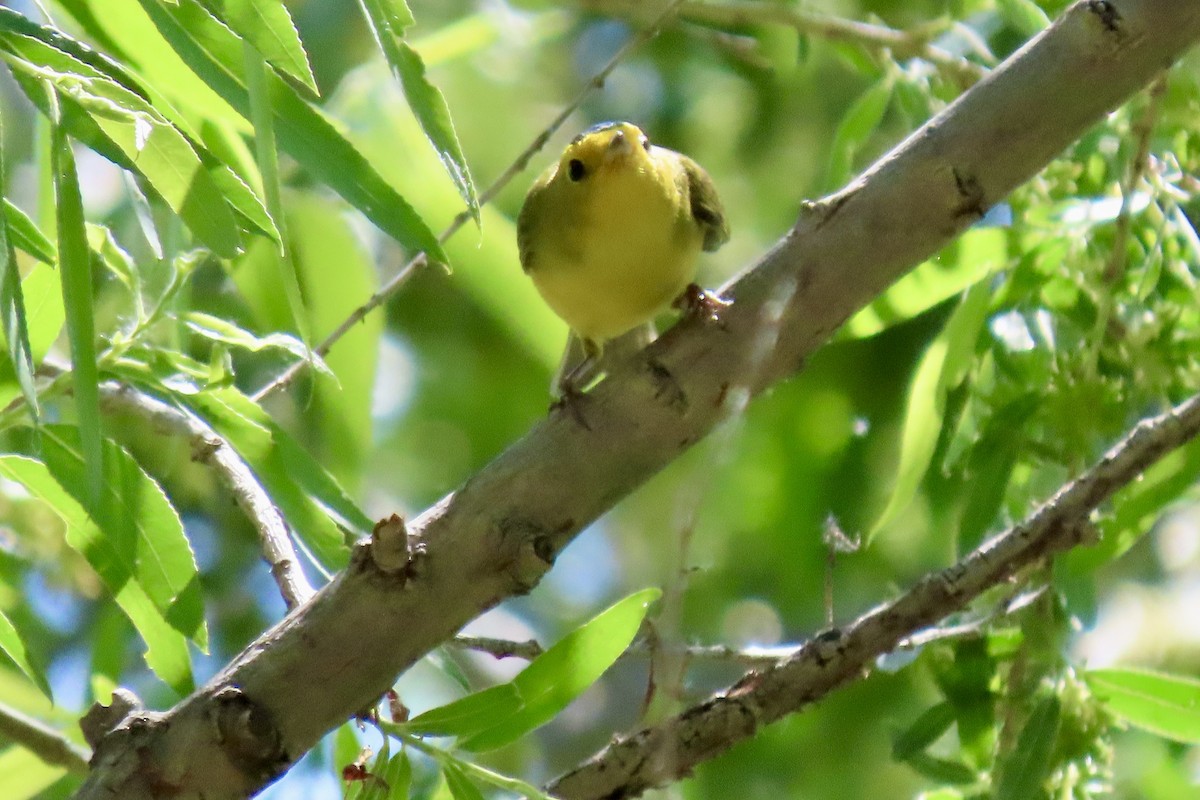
695	301
571	400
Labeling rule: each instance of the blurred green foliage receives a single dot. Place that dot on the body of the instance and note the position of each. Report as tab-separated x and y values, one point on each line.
945	412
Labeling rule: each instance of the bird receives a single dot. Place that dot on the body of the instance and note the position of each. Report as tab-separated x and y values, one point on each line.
611	235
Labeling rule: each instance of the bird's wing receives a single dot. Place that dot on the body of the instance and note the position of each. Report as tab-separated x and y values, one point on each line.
705	205
529	210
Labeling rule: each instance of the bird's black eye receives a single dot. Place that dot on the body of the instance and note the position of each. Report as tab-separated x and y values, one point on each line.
646	143
575	169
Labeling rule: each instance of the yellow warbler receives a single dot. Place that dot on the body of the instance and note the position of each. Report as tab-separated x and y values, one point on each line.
611	234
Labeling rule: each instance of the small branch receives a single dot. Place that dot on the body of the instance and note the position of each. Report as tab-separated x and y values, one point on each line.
498	648
209	448
420	260
43	741
880	39
630	765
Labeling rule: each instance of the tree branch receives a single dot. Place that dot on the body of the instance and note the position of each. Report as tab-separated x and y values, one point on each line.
499	533
208	447
43	741
666	752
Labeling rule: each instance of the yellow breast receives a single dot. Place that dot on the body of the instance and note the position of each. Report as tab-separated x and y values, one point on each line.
610	249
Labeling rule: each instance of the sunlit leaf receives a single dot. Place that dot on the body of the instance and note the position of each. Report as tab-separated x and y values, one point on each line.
388	19
166	647
940	369
1166	705
215	54
25	235
860	121
13	319
14	647
1028	766
75	266
267	25
562	673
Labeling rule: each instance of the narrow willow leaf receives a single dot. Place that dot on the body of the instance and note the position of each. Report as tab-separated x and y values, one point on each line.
25	235
460	786
315	506
387	21
12	305
1029	764
924	731
220	330
1025	16
13	647
976	254
941	368
215	54
166	652
860	121
268	167
562	673
144	541
24	776
267	26
149	144
1163	704
467	715
75	265
44	309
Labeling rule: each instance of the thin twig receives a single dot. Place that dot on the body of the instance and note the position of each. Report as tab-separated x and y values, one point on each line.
43	741
420	260
915	43
1143	128
235	474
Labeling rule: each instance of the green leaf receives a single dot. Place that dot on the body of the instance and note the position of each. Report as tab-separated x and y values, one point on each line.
166	652
75	266
942	367
13	647
461	787
220	330
1163	704
467	715
268	27
924	731
215	54
388	21
1028	766
562	673
321	236
43	309
268	166
23	775
143	535
861	120
398	776
148	143
976	254
305	492
25	235
13	319
1024	15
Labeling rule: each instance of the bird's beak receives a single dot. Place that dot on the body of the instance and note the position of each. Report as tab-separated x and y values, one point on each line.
619	146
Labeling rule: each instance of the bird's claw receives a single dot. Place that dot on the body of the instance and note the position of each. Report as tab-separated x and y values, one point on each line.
571	400
695	301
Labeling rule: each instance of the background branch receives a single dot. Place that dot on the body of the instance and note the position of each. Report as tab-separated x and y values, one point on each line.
657	755
48	744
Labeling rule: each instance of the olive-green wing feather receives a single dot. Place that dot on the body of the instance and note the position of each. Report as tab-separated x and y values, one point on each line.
531	210
705	205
